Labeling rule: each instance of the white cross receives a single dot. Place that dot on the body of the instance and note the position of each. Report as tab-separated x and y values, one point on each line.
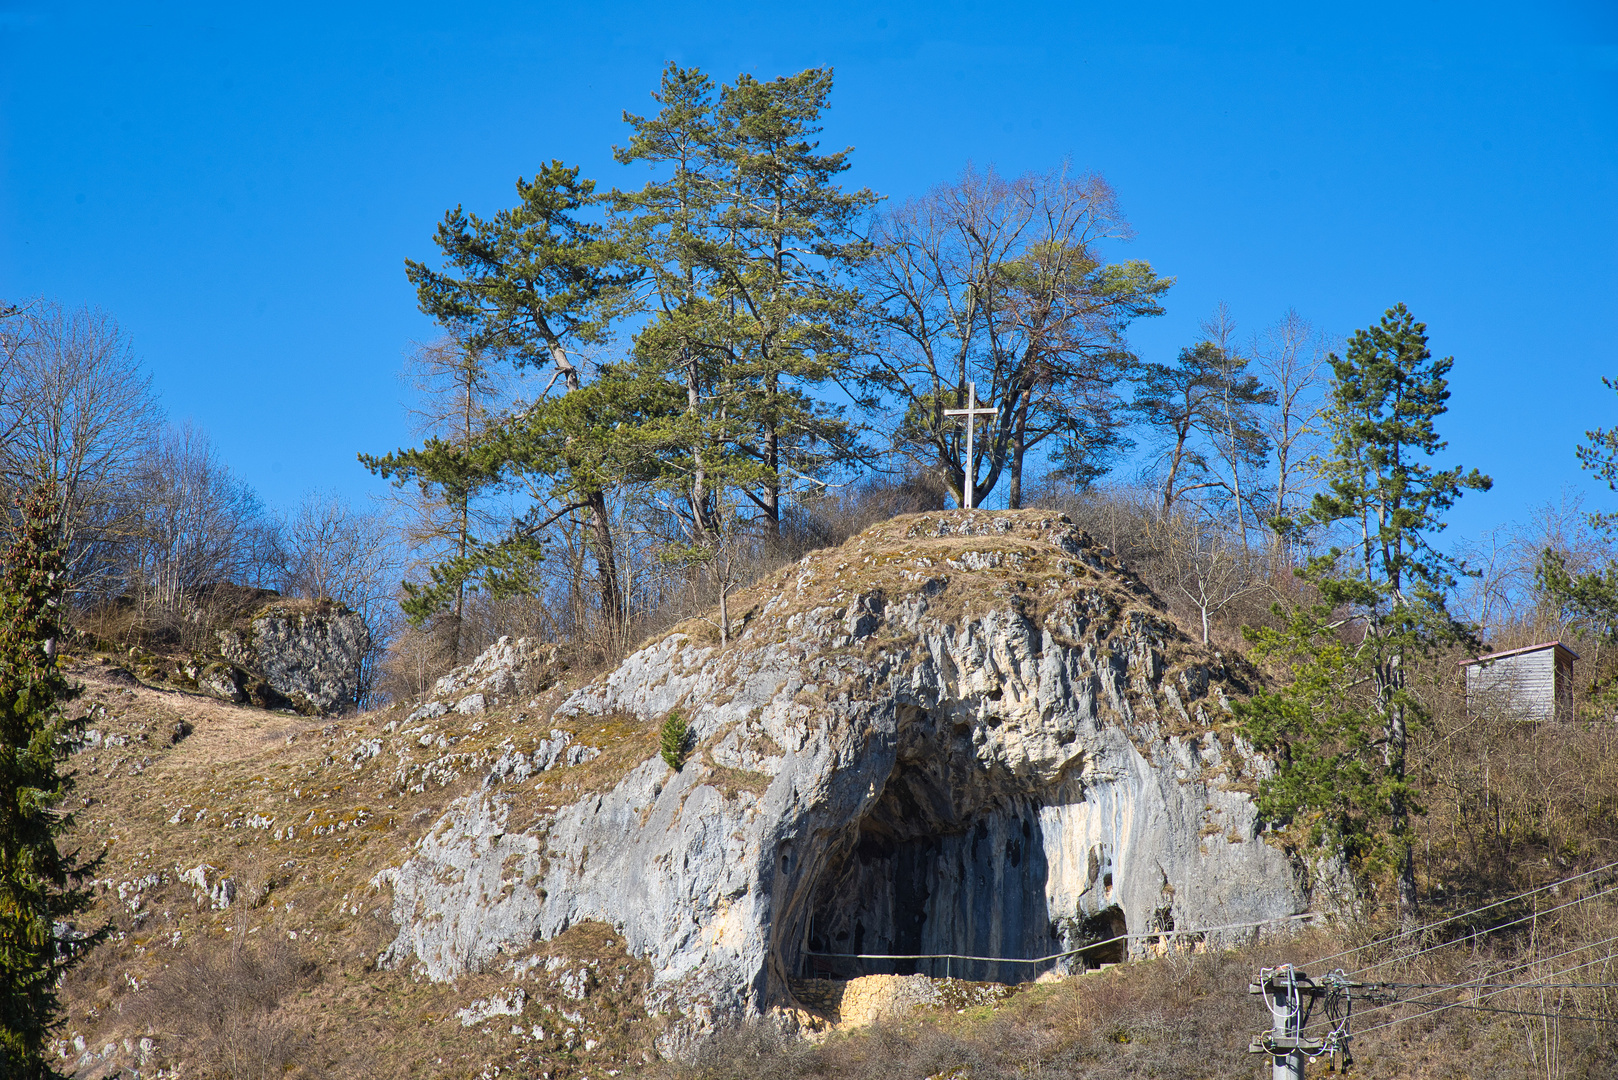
971	412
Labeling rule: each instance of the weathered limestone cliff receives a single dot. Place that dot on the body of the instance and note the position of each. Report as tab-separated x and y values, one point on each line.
963	732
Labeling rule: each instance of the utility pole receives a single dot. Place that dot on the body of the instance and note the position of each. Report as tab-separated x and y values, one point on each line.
1291	995
971	412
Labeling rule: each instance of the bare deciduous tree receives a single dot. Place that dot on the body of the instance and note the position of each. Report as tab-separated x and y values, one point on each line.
79	411
335	552
1292	355
1208	570
1003	283
192	524
457	400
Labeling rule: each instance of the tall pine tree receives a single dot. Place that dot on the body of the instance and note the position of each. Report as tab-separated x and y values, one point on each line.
41	887
743	241
1342	728
534	284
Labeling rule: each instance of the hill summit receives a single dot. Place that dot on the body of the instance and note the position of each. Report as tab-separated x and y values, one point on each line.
966	732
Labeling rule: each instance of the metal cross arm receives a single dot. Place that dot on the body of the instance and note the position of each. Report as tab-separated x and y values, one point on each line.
971	412
1290	995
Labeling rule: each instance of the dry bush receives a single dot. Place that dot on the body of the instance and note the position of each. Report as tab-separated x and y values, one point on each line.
839	513
416	658
1187	560
217	1007
1511	803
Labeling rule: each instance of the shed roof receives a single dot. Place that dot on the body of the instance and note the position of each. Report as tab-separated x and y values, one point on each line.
1519	652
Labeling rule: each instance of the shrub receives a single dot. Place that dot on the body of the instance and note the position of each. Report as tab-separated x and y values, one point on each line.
672	743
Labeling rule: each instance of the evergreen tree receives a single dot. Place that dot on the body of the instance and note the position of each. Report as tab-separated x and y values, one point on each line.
459	390
743	240
1205	406
40	886
1341	729
1591	595
533	284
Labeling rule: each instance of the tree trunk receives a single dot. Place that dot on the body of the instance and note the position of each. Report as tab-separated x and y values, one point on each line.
772	461
1391	676
600	524
1236	473
1018	448
612	596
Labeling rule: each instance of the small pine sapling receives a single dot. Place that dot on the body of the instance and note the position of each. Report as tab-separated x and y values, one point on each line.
672	745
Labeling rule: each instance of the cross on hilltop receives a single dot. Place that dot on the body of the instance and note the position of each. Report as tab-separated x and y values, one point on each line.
971	412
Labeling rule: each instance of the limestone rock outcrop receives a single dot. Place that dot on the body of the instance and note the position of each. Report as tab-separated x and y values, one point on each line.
308	652
962	732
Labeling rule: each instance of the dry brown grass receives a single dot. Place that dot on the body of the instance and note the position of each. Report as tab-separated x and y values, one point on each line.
1189	1017
281	806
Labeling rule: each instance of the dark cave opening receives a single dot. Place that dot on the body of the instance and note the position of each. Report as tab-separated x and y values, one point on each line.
950	859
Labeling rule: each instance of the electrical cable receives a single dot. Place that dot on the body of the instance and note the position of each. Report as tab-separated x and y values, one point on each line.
1515	922
1461	1004
1502	986
1462	915
1419	999
1554	1016
1507	971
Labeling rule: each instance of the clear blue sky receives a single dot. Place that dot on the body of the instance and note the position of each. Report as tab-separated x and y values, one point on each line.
240	184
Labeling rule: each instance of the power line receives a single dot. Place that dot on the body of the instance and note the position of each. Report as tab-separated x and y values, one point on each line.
1458	1005
1515	922
1503	986
1507	971
1521	1012
1462	915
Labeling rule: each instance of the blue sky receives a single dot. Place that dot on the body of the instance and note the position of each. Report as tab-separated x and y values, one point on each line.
239	185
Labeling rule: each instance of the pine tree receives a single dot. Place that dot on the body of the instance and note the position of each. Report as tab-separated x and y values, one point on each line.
40	886
741	242
1205	406
534	285
744	241
1342	727
1591	594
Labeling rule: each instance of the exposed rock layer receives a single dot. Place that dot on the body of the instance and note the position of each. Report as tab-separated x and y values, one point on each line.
966	732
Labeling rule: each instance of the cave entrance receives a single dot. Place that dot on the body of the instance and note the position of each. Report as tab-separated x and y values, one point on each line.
1107	929
949	860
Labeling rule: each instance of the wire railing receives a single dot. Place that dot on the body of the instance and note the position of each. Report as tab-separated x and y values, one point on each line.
1023	963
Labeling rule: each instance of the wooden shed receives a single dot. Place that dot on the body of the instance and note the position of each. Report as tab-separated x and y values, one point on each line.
1531	683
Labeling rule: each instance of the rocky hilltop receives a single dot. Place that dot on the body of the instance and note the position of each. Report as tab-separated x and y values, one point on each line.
970	733
256	646
965	732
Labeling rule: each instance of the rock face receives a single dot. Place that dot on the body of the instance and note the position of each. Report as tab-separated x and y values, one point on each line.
963	732
308	652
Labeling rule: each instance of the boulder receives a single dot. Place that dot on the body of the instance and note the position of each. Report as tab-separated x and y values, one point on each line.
308	652
965	732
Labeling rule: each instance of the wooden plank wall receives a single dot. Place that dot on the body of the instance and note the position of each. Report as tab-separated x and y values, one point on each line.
1527	685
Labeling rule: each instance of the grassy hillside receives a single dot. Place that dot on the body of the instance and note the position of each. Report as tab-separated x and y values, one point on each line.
240	847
